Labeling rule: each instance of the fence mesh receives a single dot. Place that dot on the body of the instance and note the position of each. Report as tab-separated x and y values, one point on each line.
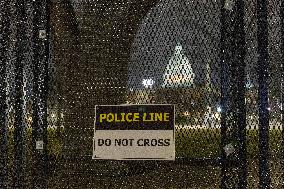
219	62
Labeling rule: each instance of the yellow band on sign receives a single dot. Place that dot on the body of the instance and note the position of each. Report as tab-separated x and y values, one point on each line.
134	117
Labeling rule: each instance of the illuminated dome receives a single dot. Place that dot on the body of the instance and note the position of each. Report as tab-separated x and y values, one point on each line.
178	72
157	54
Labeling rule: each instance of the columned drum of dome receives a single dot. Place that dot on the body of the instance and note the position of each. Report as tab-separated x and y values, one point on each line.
171	25
179	72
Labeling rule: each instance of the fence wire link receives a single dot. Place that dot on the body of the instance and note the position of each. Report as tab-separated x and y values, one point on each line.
219	62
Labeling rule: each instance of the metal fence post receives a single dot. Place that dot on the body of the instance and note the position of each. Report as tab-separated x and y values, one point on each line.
282	78
46	6
224	95
40	87
239	64
233	119
36	72
4	42
19	95
262	37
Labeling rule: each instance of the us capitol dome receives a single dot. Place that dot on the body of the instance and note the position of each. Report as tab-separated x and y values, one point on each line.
178	72
177	85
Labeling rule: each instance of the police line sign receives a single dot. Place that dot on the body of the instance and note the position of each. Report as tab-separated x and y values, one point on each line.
134	132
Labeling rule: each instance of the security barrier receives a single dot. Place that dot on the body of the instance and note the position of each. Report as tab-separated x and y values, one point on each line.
220	62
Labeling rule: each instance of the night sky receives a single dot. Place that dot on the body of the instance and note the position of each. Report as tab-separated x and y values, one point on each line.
194	24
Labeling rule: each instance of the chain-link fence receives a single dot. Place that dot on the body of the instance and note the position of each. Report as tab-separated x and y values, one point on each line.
218	61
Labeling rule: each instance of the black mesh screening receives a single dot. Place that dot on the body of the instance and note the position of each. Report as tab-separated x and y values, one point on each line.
218	61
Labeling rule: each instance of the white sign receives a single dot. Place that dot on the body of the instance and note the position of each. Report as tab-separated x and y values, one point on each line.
134	132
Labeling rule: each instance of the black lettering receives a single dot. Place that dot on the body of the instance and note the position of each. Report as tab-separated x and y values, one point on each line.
146	142
125	142
100	142
131	141
167	142
117	142
138	142
107	142
154	142
161	142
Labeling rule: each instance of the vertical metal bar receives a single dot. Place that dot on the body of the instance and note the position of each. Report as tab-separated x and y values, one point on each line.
262	37
35	124
228	93
4	43
19	95
240	92
233	130
40	85
224	91
282	77
45	87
